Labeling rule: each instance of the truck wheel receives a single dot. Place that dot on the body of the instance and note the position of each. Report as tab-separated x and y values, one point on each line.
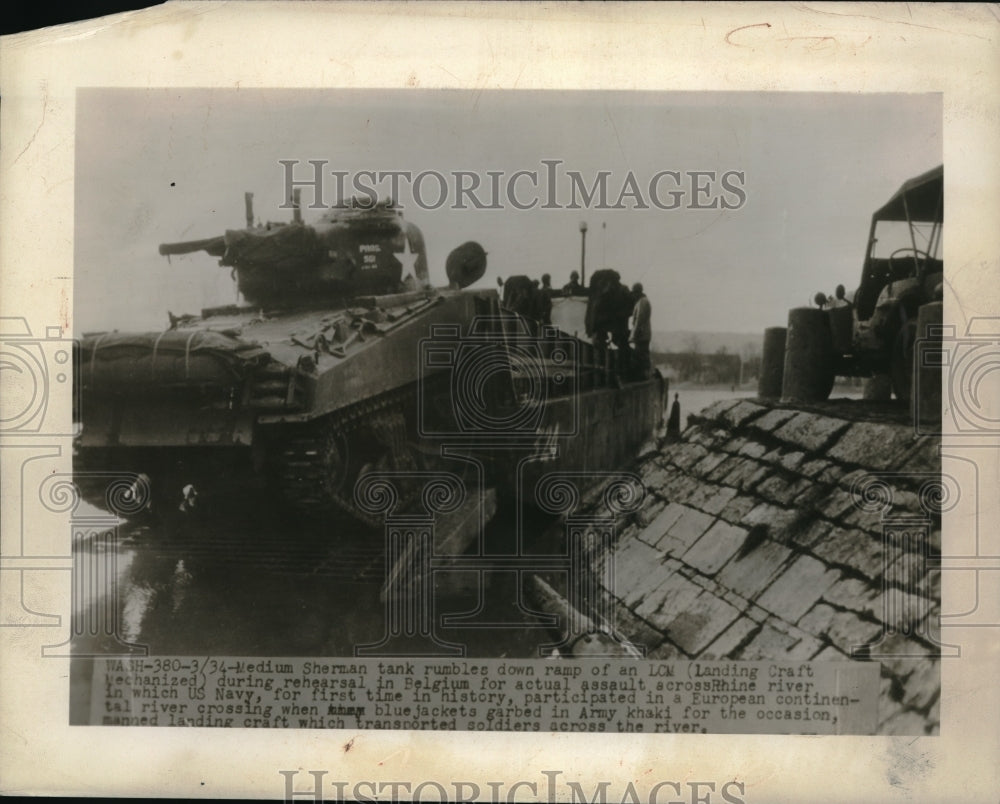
809	359
772	364
901	361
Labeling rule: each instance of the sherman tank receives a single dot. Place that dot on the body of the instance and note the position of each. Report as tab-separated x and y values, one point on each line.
341	360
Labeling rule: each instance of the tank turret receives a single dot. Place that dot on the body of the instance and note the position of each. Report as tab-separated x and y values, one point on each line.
355	249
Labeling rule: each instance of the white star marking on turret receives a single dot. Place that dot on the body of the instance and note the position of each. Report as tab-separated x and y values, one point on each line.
407	258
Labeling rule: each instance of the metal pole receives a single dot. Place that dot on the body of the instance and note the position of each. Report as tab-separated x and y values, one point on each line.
583	253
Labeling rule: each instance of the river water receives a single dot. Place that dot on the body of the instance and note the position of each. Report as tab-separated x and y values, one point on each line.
253	583
693	400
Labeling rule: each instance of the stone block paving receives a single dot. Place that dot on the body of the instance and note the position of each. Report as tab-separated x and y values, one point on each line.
755	545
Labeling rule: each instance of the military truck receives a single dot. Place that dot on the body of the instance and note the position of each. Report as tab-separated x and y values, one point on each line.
871	332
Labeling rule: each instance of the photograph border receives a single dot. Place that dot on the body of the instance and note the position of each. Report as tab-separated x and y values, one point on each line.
749	47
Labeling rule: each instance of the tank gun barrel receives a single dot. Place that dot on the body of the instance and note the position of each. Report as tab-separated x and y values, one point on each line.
215	246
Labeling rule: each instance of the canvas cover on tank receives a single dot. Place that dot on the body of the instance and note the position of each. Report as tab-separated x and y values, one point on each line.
131	363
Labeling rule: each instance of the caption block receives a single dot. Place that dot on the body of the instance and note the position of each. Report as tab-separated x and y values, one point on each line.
667	697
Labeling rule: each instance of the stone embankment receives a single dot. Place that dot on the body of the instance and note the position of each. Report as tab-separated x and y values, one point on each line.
772	532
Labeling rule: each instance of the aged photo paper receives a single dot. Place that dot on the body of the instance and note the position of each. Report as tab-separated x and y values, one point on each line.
497	402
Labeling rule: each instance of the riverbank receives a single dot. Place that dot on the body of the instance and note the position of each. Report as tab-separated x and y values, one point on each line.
777	532
695	398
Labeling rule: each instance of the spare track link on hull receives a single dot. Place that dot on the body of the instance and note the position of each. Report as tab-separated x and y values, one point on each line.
305	461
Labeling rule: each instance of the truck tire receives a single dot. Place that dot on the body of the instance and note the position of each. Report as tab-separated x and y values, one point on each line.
808	370
772	363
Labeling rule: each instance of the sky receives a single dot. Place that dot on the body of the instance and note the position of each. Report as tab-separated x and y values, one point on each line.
162	165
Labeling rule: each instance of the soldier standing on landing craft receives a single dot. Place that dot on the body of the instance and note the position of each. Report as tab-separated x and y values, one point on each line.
642	331
573	287
608	309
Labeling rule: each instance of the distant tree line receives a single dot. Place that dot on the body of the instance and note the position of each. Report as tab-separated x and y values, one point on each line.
720	367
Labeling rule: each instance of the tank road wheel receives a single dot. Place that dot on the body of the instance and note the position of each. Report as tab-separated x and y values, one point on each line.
809	359
318	465
901	361
314	468
388	448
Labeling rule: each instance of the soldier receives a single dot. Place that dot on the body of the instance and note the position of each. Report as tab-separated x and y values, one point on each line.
537	301
621	312
518	293
573	287
596	319
674	422
840	298
608	310
545	300
642	331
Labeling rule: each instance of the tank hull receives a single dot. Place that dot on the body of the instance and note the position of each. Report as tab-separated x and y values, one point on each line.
597	433
313	400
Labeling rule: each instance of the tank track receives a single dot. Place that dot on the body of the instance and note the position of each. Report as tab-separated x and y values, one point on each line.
310	458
